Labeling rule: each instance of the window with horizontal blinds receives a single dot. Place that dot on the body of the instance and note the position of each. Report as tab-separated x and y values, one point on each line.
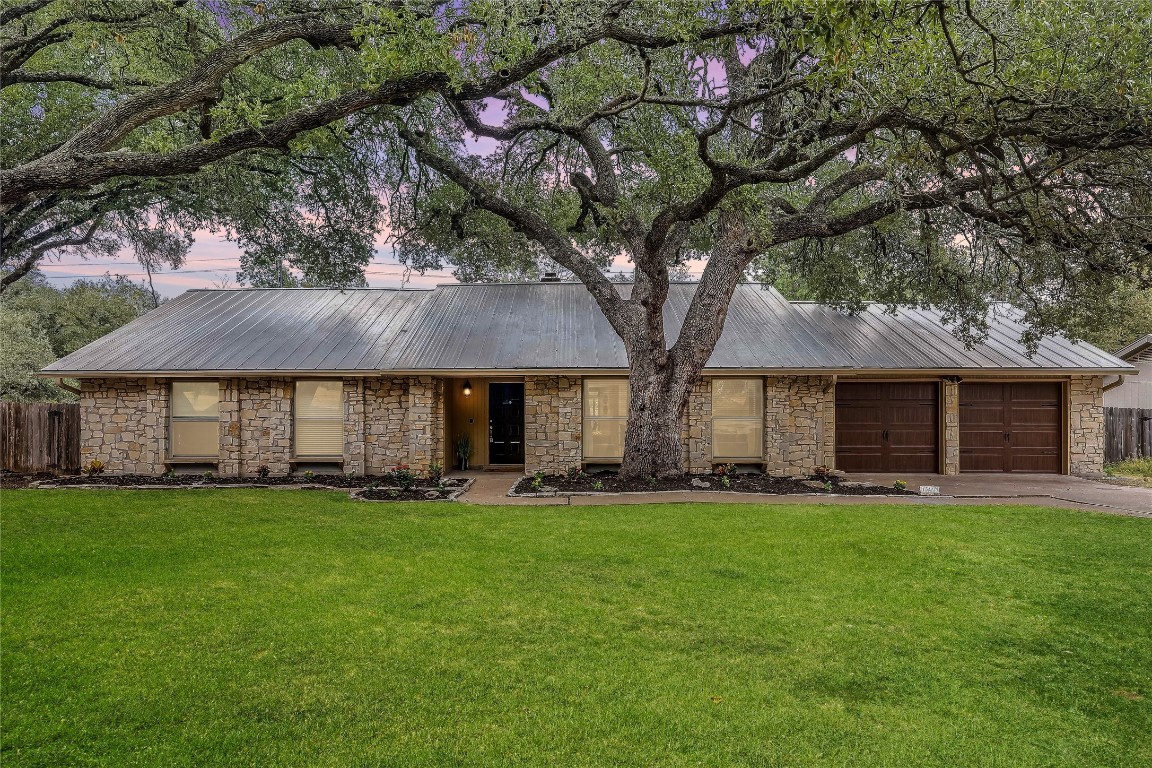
737	419
194	431
605	418
319	418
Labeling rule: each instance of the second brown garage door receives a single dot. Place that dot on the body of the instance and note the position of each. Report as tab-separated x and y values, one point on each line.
1010	427
887	427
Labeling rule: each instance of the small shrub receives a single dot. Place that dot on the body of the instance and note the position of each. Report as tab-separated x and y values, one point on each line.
652	481
393	492
537	481
263	471
598	486
725	481
402	476
574	473
435	472
208	475
827	486
93	468
170	474
822	471
724	470
309	474
900	485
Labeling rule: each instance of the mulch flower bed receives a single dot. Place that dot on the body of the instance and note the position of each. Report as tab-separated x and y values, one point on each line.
367	488
191	480
610	482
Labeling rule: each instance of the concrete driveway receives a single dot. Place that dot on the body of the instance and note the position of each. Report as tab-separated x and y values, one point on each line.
1036	490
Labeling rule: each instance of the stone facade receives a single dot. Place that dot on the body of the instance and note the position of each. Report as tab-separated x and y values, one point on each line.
951	395
553	426
1086	425
124	423
799	424
401	420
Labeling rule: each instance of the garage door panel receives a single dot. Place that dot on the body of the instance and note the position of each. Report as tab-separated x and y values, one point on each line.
887	427
1035	438
1029	413
857	414
1026	415
1048	463
921	391
977	461
916	461
858	438
979	393
971	438
984	415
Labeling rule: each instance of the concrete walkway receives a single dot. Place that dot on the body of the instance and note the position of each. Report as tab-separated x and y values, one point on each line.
1035	490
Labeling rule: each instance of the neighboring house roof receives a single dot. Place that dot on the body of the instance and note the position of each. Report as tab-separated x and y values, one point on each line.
1133	350
537	326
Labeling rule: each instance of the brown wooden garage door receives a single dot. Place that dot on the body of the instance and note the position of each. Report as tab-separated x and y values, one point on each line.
887	427
1010	427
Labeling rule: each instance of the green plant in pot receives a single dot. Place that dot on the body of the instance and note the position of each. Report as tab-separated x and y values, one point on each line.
463	450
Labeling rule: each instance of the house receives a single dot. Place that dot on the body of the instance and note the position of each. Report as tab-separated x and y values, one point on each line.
532	373
1133	390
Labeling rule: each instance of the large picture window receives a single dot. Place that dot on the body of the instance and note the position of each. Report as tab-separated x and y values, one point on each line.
737	419
605	418
319	419
195	427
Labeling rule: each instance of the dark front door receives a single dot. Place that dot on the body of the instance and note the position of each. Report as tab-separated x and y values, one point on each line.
505	423
887	427
1010	427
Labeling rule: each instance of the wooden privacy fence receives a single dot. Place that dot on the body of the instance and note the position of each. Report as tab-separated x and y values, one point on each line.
40	437
1127	433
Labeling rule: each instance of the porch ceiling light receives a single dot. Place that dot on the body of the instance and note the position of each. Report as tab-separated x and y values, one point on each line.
467	388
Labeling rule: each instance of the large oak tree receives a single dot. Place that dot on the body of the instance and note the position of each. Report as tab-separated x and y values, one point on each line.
938	151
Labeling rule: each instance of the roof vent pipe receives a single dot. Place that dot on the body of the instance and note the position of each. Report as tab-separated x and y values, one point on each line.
550	277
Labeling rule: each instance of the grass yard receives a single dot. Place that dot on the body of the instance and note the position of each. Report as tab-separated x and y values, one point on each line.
1138	470
269	628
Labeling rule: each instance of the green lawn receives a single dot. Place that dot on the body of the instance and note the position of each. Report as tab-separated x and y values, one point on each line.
264	628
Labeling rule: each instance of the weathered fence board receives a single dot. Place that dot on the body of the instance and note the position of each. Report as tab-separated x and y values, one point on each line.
40	437
1127	433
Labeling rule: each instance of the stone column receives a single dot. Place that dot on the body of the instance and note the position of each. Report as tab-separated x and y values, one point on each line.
231	443
1086	425
354	426
425	425
697	431
951	392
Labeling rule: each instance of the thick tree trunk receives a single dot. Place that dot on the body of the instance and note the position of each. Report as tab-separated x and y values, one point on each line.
658	397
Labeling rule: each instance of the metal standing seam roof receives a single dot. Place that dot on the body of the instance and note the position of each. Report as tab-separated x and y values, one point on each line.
538	326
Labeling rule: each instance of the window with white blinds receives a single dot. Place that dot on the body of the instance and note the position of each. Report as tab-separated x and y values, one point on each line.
605	418
319	419
737	419
194	432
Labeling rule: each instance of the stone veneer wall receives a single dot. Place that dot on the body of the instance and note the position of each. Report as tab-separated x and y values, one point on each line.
255	426
1086	425
696	431
124	423
799	424
553	426
951	394
400	421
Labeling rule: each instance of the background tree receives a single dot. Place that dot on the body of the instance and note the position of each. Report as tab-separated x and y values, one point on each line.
42	323
934	151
